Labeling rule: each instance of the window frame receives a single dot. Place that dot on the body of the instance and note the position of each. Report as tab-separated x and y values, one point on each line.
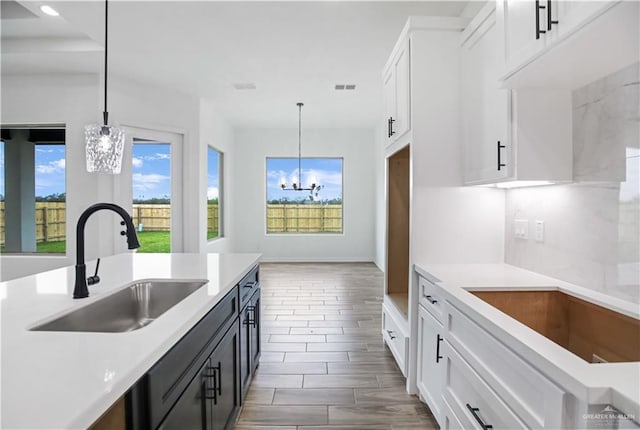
306	233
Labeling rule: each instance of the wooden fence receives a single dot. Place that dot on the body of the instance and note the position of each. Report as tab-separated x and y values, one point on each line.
51	219
304	218
50	222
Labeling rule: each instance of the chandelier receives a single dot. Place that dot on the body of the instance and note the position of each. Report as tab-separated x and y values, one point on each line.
297	185
104	144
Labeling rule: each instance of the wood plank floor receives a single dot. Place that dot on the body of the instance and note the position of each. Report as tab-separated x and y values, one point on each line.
324	364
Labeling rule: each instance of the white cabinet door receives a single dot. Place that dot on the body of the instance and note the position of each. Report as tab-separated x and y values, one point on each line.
572	14
430	361
518	19
485	107
397	99
389	92
401	122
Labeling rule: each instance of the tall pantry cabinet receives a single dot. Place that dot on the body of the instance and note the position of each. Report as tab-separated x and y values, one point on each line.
421	150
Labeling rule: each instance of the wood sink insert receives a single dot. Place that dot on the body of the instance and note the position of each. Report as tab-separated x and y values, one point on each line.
590	331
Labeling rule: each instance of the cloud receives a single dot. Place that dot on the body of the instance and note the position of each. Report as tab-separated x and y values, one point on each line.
212	193
55	166
47	151
145	182
160	156
137	162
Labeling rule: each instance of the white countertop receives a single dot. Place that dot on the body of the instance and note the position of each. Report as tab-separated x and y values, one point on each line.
611	383
66	380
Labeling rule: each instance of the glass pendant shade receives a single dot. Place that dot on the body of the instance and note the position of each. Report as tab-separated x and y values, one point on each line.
104	148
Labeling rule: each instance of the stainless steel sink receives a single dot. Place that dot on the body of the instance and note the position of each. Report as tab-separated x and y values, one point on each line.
131	308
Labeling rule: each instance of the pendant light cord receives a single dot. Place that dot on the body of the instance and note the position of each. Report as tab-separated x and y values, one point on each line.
105	114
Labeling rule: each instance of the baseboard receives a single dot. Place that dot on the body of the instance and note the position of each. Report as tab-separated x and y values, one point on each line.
317	260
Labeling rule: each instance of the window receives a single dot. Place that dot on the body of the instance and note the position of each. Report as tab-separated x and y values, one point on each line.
299	211
214	193
32	190
151	184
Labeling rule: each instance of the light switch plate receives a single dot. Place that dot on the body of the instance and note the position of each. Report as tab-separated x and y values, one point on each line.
539	233
521	229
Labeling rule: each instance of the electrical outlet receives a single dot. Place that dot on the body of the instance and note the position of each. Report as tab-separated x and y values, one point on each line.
539	233
521	229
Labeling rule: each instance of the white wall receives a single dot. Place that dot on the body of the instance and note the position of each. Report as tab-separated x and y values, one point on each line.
592	227
216	132
252	146
71	100
450	223
380	198
76	100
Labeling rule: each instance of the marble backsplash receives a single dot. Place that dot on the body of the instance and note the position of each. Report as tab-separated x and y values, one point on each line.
592	227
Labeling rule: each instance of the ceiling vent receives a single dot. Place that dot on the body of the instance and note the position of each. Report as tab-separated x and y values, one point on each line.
343	87
13	10
244	86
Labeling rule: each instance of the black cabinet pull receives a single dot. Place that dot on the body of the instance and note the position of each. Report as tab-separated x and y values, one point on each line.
251	317
391	121
474	412
500	163
431	300
550	20
438	356
215	373
249	284
391	334
389	127
538	31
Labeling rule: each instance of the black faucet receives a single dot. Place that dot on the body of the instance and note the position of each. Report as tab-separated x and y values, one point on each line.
80	290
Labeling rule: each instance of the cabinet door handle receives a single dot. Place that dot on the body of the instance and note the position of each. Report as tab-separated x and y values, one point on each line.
391	334
389	127
251	316
550	20
500	163
391	121
538	31
215	373
438	356
431	300
474	412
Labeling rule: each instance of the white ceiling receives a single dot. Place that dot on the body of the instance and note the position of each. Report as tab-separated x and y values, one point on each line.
291	51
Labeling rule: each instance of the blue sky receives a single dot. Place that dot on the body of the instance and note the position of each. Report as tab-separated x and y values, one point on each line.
326	172
151	170
213	174
49	171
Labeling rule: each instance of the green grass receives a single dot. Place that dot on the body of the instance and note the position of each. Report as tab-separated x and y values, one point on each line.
57	247
150	242
154	241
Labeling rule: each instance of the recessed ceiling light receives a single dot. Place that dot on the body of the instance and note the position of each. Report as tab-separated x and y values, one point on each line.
49	10
348	87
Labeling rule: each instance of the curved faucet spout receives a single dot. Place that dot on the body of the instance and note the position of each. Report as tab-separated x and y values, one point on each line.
80	289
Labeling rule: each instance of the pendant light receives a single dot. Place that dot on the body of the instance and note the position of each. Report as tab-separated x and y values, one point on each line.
297	185
104	144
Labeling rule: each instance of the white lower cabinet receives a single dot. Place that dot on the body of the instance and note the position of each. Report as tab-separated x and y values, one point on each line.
471	398
431	362
395	335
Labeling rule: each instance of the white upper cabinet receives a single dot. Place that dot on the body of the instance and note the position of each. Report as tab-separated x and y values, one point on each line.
485	106
397	94
509	136
565	43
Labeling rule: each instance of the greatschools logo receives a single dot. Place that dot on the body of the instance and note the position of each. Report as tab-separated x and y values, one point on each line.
608	416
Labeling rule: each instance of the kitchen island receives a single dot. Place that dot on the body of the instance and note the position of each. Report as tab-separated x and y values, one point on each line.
67	380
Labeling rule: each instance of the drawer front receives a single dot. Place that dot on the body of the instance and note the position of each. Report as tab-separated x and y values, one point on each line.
536	400
431	299
451	421
248	285
472	400
168	378
397	342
